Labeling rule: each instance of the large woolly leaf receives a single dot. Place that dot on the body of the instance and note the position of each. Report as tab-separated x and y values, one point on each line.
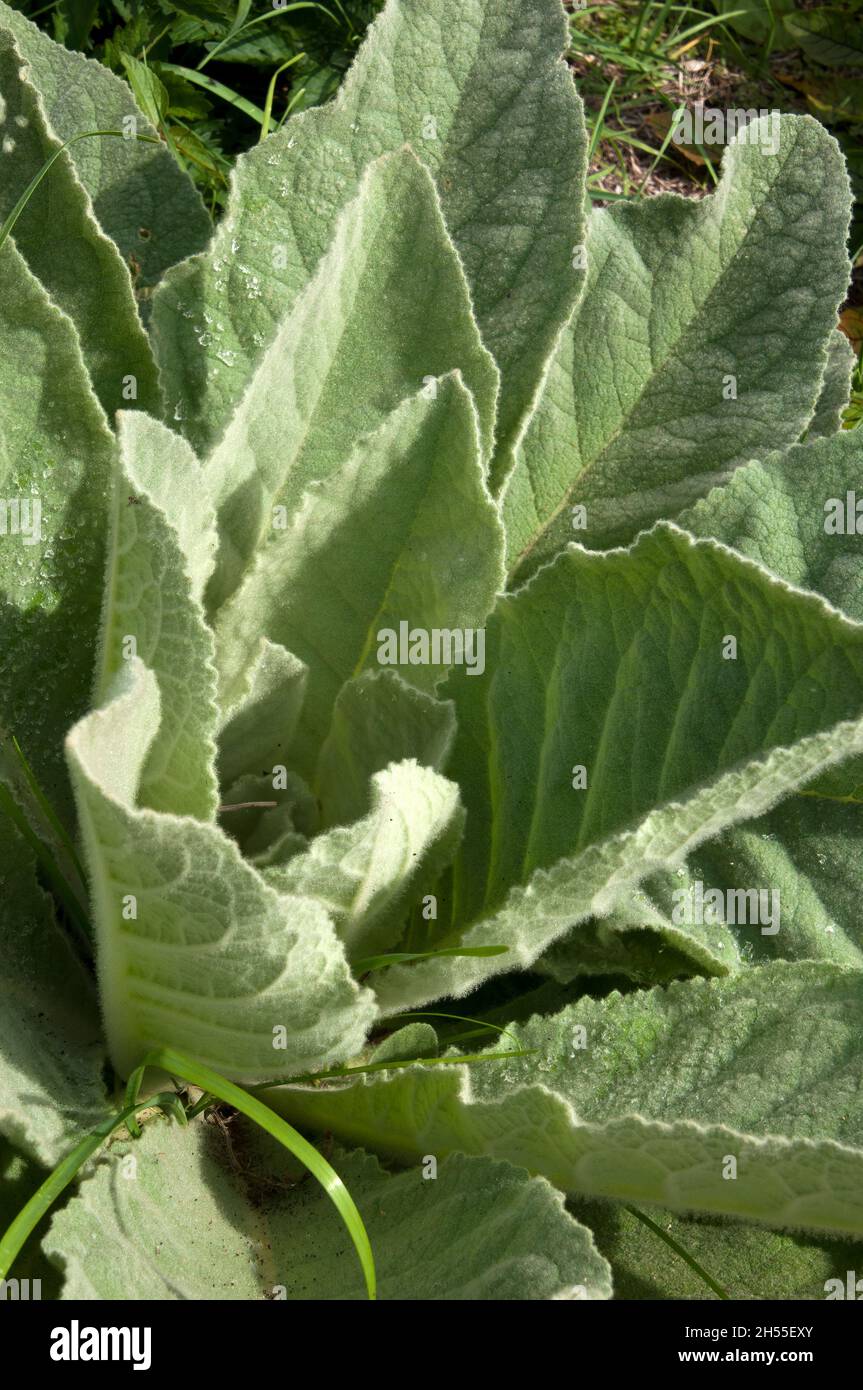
795	513
327	380
615	729
195	950
51	1050
142	198
700	342
162	547
789	886
365	874
478	1230
405	532
648	1097
57	458
478	90
79	265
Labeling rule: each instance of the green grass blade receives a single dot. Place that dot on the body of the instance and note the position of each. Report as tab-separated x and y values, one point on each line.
295	97
217	89
66	1171
711	22
65	893
175	1063
37	178
271	93
459	1018
596	133
261	19
48	812
679	1250
336	1073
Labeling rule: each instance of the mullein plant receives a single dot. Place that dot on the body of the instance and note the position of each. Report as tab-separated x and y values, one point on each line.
431	697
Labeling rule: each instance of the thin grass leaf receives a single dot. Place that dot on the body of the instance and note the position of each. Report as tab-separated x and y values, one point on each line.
217	89
64	892
37	178
596	133
461	1018
175	1063
679	1250
49	813
271	92
68	1169
261	19
337	1073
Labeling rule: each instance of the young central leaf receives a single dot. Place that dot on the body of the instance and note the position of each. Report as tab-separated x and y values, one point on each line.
193	946
162	548
405	532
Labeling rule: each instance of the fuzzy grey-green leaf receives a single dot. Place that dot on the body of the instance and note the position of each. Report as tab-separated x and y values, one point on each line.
479	91
404	533
57	464
80	267
326	381
480	1230
614	731
51	1050
700	342
141	197
648	1097
195	951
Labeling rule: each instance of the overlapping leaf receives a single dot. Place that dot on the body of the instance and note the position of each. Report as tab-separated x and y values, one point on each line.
404	532
51	1049
618	665
738	1097
80	267
162	548
746	1262
700	342
195	950
259	726
795	513
366	874
57	461
478	1230
141	197
377	719
480	93
326	380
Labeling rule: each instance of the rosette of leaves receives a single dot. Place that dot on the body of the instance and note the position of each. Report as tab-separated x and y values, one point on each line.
408	382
